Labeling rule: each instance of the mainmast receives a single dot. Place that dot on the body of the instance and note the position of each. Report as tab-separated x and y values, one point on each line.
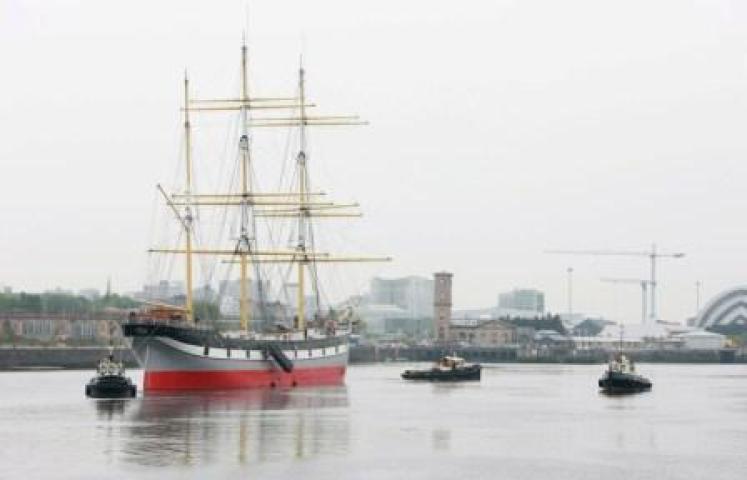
243	247
187	223
303	209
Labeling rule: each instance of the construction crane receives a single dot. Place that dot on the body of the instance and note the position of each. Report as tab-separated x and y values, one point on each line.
644	291
653	255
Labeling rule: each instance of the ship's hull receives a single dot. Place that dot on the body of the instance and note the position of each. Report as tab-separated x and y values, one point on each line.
460	374
182	359
111	386
619	382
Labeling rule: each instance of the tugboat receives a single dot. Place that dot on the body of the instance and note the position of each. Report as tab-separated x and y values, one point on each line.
110	381
447	369
621	377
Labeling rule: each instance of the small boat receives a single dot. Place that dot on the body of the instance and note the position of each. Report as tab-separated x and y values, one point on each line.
621	377
447	369
110	381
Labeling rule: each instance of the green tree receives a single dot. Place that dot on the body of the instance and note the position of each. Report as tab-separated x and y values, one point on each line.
7	334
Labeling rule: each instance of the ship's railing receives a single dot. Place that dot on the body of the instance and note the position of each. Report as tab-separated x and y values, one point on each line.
166	321
294	335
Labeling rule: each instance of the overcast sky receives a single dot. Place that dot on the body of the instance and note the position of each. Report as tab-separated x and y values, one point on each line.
498	130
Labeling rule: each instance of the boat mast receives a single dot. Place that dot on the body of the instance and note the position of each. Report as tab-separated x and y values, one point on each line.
244	247
188	192
303	209
298	205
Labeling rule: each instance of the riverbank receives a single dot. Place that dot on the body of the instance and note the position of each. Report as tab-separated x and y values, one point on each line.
35	358
373	354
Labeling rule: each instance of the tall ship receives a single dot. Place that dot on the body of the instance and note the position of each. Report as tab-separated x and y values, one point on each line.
273	344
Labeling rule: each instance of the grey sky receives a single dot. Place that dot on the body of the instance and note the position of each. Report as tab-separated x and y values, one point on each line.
498	130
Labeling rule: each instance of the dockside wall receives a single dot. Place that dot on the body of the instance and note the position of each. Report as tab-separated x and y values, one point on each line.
88	357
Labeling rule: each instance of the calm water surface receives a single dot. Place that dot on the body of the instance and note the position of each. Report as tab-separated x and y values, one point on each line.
520	422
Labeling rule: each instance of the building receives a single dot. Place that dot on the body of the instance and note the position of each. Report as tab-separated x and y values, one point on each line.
702	340
490	333
59	328
400	306
726	313
607	344
655	336
412	294
164	291
377	317
522	300
442	305
481	331
229	300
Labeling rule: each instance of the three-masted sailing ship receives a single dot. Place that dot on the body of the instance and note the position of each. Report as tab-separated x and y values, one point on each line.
179	353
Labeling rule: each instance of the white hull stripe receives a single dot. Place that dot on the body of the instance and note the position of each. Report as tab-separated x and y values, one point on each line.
235	354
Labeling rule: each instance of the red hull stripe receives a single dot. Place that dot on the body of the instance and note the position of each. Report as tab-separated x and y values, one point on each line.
227	379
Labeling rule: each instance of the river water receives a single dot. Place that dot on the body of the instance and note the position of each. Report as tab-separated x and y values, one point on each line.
520	422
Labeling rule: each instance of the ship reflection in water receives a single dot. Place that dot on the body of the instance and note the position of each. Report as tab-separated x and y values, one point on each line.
232	427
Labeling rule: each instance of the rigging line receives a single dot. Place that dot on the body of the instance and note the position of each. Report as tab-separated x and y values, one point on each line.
262	300
258	271
287	156
169	262
160	263
157	261
269	270
151	234
274	237
288	297
219	228
207	266
251	221
310	227
232	183
224	284
315	280
204	262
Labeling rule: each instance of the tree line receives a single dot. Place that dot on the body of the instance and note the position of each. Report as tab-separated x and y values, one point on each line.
61	303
